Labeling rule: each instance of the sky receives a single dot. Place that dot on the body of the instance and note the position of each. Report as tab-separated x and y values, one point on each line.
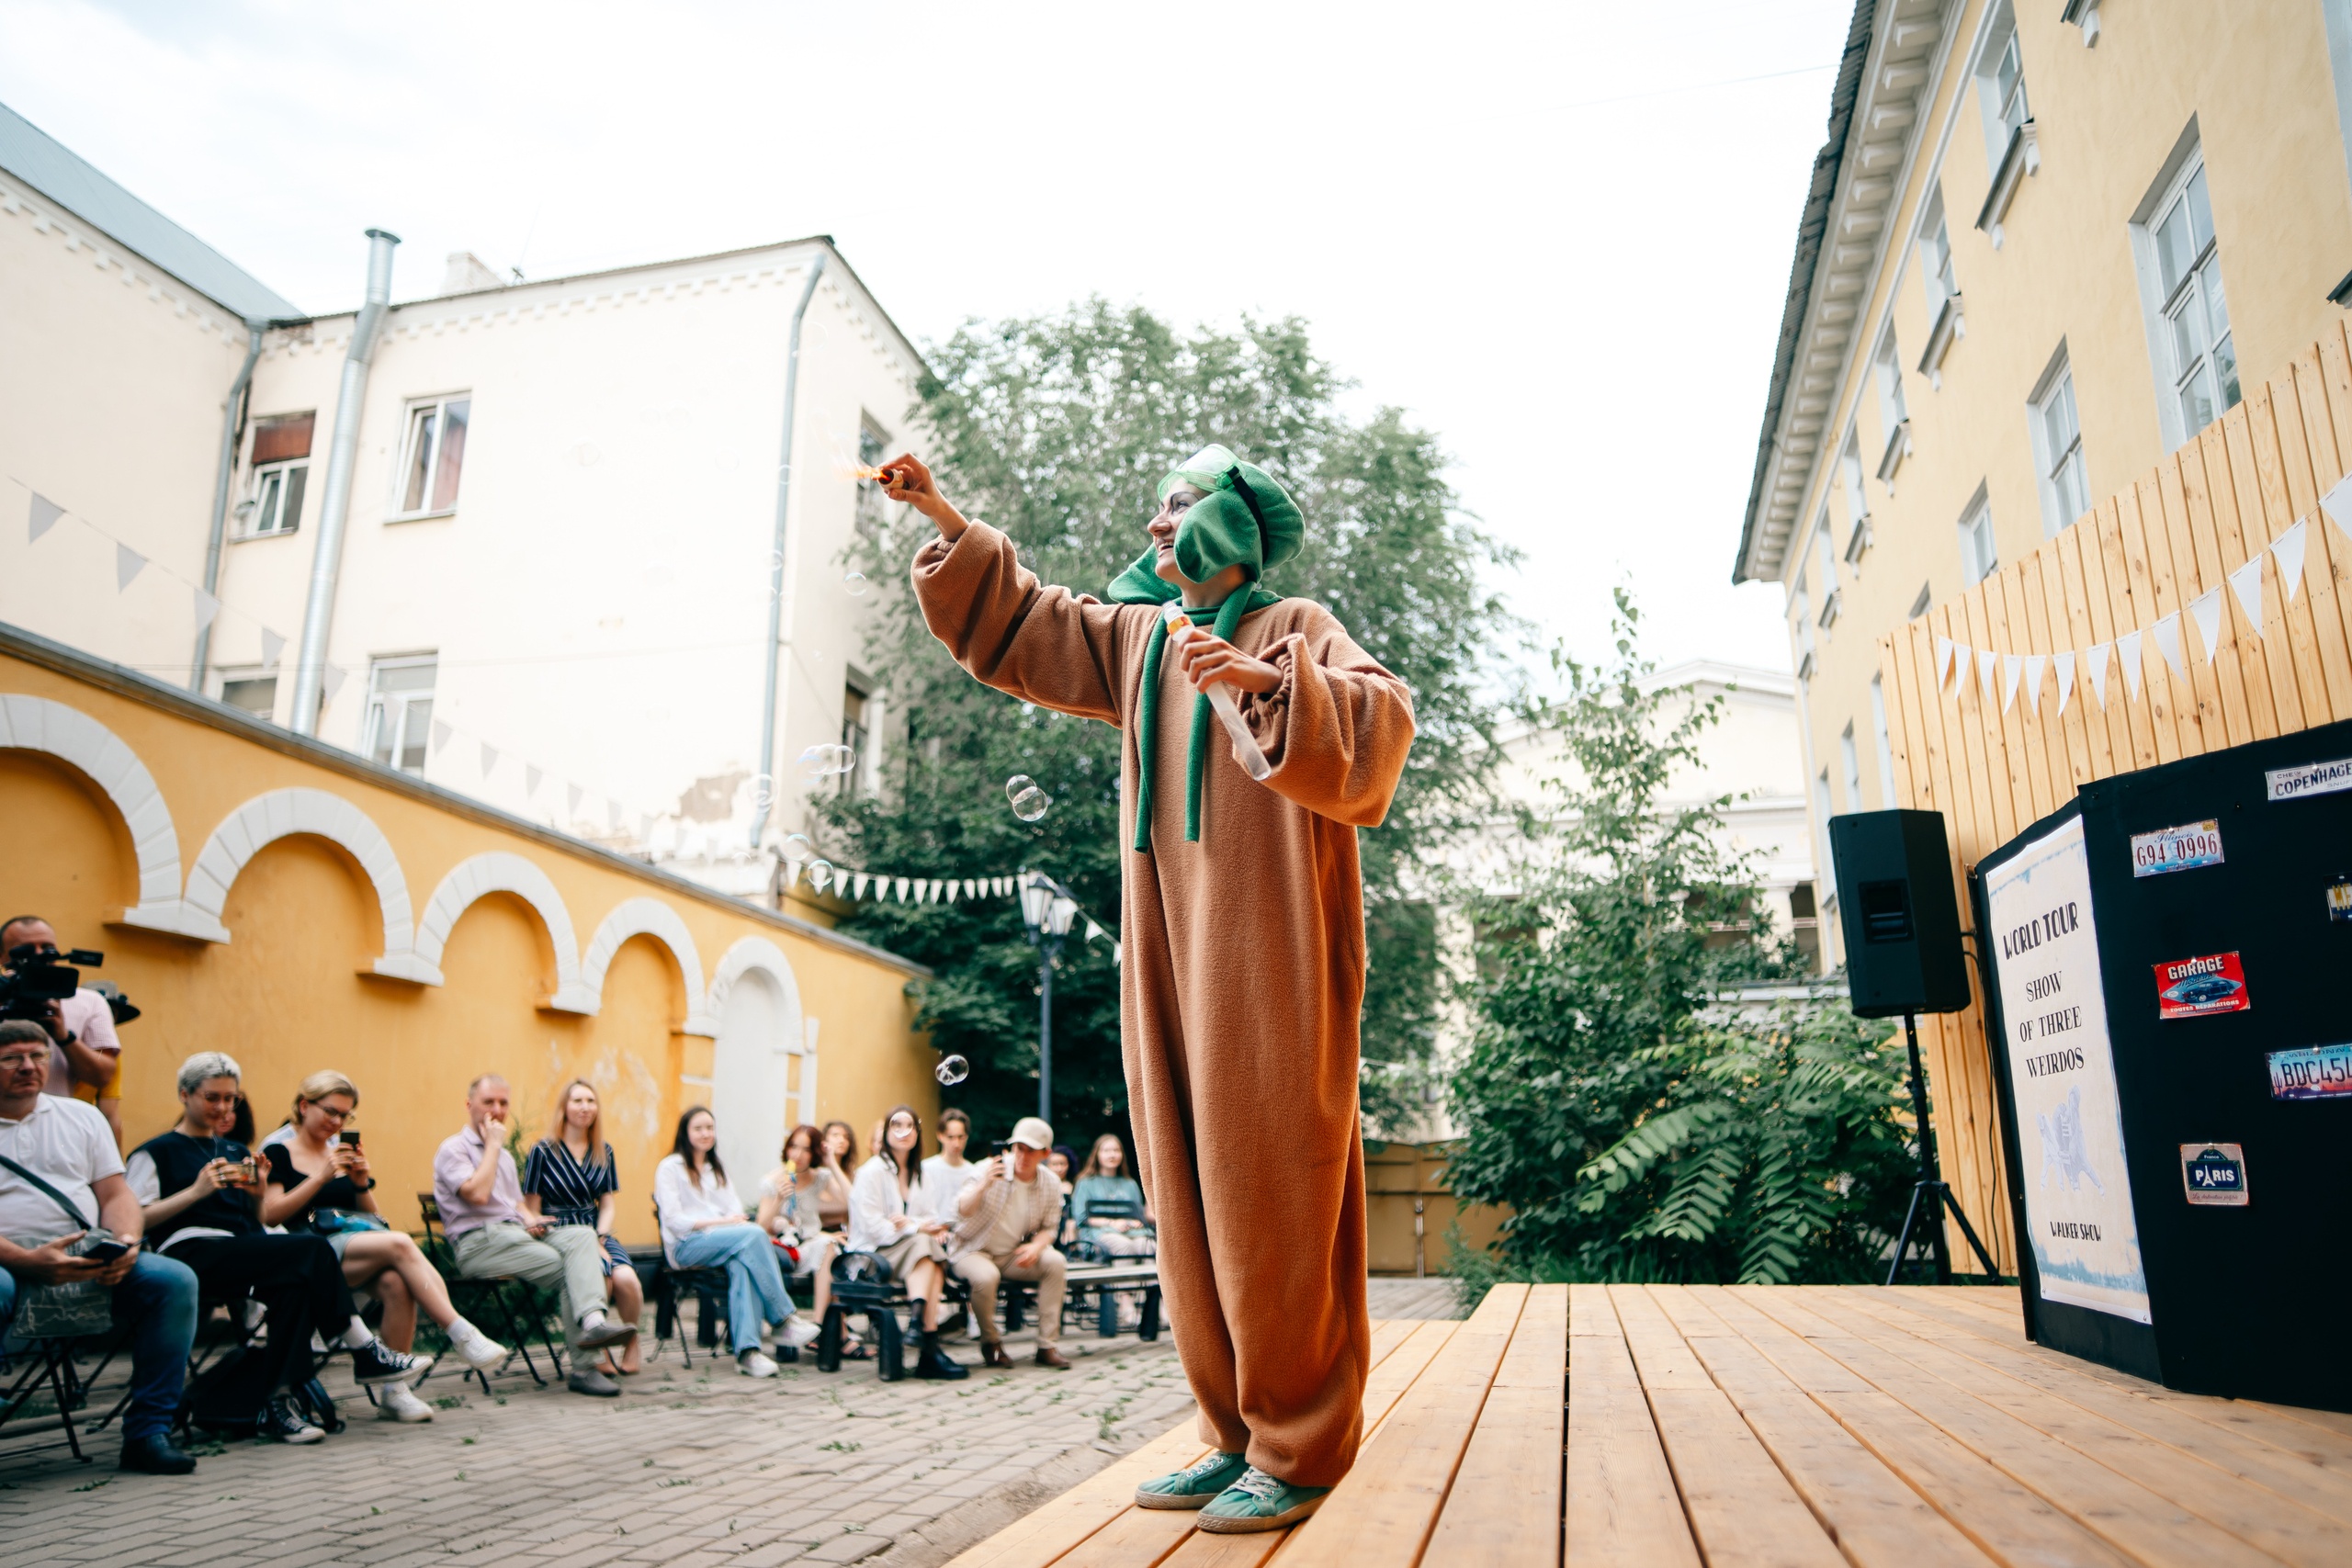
1558	235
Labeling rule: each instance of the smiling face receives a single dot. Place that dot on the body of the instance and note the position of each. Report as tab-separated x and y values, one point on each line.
702	1133
579	1107
1162	528
797	1150
903	1135
323	1118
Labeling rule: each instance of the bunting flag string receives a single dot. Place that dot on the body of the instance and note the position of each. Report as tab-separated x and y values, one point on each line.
2008	671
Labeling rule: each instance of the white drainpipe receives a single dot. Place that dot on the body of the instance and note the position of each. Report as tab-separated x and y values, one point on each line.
763	801
334	508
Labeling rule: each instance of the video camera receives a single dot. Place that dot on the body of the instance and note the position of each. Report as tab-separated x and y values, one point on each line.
40	976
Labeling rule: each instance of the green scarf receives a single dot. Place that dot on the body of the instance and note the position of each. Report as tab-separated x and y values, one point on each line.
1243	518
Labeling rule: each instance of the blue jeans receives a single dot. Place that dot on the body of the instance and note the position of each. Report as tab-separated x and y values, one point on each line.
157	1299
755	1293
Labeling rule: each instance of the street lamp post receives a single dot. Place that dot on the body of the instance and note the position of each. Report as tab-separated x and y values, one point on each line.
1047	908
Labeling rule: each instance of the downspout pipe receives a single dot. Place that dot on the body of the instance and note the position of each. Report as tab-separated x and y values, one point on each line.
763	801
232	418
335	507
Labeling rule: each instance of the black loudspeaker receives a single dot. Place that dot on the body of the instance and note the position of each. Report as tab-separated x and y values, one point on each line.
1897	909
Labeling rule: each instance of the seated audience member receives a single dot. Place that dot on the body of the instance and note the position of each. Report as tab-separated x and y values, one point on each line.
886	1219
570	1177
1062	1161
68	1146
836	1168
1104	1179
944	1173
481	1199
704	1226
788	1212
86	1061
318	1181
197	1188
1006	1220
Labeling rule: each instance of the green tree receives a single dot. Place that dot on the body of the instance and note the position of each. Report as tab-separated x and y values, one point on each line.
1056	430
1637	1124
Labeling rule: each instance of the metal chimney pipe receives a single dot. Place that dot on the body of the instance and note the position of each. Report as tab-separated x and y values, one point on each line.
763	802
334	508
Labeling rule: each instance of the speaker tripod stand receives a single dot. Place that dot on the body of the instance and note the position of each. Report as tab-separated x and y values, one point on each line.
1930	1191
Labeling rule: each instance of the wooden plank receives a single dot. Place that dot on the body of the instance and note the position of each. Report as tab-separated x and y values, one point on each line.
2310	614
1059	1527
2257	491
2021	594
2074	592
1505	1504
2335	386
2151	599
2198	1479
2216	675
1381	1512
2273	433
1139	1538
1742	1509
2004	725
1872	1515
1623	1509
2122	616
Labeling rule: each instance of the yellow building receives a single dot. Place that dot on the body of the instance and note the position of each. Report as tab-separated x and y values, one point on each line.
2008	300
278	898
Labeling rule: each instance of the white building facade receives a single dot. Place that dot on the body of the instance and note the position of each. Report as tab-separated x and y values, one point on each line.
567	499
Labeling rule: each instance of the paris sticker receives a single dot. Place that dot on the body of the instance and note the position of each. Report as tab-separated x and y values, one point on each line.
2215	1174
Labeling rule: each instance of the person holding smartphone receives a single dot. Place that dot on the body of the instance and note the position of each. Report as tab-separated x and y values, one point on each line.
58	1173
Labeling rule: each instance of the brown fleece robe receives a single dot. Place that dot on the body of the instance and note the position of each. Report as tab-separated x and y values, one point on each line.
1242	983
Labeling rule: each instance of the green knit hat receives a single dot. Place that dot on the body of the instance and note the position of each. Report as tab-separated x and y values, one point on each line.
1243	518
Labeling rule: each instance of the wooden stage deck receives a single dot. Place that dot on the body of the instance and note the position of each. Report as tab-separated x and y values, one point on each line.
1668	1426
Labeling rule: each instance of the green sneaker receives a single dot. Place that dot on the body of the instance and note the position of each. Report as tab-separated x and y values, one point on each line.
1193	1486
1259	1502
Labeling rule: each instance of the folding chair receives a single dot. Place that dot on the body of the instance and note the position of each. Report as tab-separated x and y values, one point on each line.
706	1285
496	1292
48	1364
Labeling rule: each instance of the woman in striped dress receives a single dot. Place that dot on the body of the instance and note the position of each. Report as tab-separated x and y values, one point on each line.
569	1177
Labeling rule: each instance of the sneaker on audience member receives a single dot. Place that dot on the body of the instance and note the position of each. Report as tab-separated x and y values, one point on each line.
752	1364
797	1332
589	1381
376	1363
281	1422
477	1349
596	1331
398	1402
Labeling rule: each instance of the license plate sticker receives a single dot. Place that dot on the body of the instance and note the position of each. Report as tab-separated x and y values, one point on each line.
2213	1174
2314	1072
2192	988
2312	778
2184	848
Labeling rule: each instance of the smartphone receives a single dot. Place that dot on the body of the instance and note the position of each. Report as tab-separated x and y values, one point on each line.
106	1251
351	1137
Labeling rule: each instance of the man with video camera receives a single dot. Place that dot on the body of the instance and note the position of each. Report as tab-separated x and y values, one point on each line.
37	986
59	1168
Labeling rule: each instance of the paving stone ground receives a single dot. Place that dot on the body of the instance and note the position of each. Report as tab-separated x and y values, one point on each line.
685	1469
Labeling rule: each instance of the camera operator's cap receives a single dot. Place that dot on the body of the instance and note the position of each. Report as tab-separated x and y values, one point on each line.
1034	1133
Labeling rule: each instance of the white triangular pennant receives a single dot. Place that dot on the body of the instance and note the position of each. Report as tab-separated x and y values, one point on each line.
207	608
489	759
857	885
2206	610
613	814
2127	649
128	563
644	828
2247	583
2063	664
2287	549
2011	666
531	777
1092	931
902	889
2097	669
272	645
42	518
2167	632
2034	664
441	733
1115	953
1987	661
571	793
2337	504
331	680
1945	649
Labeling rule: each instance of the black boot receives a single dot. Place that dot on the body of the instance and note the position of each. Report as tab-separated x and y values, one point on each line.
157	1454
930	1361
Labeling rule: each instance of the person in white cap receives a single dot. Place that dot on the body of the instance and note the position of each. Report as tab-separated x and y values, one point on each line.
1005	1221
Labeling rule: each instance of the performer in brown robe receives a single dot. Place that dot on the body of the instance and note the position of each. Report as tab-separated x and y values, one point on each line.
1243	934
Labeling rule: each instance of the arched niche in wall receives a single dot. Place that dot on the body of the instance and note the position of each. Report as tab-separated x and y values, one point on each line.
500	872
755	998
649	918
267	818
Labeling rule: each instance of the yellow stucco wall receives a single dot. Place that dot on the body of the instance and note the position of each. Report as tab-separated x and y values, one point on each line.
287	993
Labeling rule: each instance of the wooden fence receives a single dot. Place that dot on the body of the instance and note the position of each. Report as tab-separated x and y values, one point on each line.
1992	764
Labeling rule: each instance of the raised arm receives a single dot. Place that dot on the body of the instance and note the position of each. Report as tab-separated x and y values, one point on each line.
1336	728
1043	645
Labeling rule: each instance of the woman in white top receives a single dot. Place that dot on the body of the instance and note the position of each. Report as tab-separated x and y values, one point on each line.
788	1212
887	1218
704	1226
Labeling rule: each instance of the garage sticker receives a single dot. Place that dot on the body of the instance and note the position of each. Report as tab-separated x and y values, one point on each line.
2191	987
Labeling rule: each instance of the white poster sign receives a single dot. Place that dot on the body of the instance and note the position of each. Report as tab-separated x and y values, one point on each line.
2070	1128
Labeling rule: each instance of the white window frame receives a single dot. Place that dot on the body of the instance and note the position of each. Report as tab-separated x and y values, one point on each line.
2160	307
1887	799
873	448
1801	617
1858	501
409	424
1980	552
1850	755
2058	466
1832	598
1822	811
1893	407
2000	42
236	676
262	515
381	703
1947	323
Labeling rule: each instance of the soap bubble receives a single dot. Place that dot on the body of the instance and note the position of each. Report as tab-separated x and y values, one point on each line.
824	761
820	875
763	797
1029	802
797	847
953	1070
855	584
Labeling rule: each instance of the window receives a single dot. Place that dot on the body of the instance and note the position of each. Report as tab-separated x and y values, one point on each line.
1893	412
1886	797
433	456
1832	600
399	710
1804	927
1801	608
2195	332
1858	505
2006	80
1851	756
2058	448
281	466
1941	287
254	694
1822	811
1978	559
2011	145
873	448
854	736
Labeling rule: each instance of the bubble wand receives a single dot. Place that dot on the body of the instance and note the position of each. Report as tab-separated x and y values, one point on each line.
1220	695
